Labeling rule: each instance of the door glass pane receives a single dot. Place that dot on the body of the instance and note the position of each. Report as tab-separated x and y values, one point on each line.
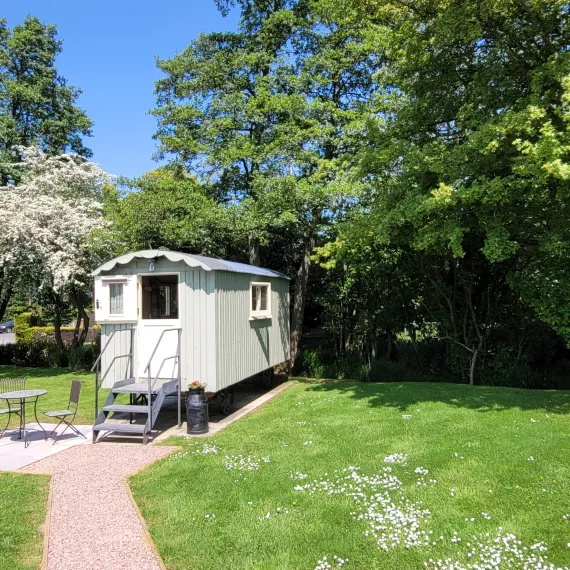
116	298
160	297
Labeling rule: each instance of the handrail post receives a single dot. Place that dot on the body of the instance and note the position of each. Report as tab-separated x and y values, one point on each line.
131	359
96	393
179	378
149	420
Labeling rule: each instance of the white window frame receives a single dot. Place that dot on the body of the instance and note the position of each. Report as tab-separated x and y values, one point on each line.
258	313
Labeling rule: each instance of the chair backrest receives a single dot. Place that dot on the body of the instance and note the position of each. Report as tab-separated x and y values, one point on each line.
74	394
12	384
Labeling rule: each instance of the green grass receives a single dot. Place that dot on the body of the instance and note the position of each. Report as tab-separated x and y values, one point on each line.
23	505
57	381
494	430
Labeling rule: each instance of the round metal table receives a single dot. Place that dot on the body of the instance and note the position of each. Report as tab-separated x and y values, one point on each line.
26	396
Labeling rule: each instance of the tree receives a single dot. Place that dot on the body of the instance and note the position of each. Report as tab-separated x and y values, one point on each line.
37	107
53	213
268	116
167	208
469	155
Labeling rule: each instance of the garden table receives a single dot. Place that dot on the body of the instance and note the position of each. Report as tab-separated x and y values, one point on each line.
26	396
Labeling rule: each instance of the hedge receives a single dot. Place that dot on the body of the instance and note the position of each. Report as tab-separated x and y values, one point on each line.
27	329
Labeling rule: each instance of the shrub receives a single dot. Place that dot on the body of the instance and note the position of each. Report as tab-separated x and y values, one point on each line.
7	352
320	363
81	357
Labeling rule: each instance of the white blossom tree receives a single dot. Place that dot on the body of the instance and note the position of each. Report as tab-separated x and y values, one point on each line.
50	217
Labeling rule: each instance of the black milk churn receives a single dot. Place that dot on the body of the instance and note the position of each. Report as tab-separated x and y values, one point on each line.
197	412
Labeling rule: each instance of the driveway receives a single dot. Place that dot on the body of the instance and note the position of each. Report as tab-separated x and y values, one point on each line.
7	338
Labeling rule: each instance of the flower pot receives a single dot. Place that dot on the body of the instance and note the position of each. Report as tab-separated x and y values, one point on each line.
197	412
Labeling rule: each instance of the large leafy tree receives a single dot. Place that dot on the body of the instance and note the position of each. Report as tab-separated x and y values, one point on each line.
37	107
268	117
470	157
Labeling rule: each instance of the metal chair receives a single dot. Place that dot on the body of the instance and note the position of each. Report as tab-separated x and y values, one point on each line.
12	385
71	412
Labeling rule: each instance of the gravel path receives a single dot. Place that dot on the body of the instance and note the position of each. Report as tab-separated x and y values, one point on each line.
94	524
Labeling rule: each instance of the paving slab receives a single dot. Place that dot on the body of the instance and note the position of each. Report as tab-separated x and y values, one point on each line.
13	454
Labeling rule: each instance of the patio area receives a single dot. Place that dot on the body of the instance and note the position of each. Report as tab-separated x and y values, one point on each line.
14	455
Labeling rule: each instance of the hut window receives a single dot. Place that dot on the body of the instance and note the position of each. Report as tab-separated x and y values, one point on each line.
260	298
116	298
160	297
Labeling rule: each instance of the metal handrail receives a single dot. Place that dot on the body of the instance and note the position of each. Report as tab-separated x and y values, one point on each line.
161	365
109	367
157	345
97	365
150	384
104	349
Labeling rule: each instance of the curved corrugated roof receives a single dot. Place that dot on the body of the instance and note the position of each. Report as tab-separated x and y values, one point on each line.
205	263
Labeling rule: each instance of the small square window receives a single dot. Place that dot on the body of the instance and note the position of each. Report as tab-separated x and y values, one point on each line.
116	298
260	300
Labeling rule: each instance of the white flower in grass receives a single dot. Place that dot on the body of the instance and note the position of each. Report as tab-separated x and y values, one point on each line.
244	463
396	458
497	552
391	519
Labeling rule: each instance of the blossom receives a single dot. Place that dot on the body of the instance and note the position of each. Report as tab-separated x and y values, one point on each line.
53	214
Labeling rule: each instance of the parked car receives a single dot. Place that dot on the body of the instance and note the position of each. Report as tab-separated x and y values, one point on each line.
7	327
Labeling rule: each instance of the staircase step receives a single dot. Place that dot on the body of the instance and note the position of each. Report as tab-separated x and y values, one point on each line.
136	388
126	408
115	426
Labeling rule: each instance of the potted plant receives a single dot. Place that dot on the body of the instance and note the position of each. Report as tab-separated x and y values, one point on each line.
197	408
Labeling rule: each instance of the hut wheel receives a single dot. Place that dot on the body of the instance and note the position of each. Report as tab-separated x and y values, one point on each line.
268	378
225	397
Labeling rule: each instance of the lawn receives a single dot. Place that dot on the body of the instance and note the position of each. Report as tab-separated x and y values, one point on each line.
57	381
387	476
23	505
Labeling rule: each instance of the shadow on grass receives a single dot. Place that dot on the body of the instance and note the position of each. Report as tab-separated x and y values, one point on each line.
404	395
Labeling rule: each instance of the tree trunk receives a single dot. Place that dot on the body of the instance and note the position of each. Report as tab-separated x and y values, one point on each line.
389	345
80	334
5	293
472	367
4	300
300	298
253	244
57	325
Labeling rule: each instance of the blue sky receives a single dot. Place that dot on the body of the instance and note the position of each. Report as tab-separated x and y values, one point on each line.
108	51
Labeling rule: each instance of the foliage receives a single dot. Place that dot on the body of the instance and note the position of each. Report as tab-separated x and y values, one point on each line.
165	208
446	429
53	211
37	106
466	156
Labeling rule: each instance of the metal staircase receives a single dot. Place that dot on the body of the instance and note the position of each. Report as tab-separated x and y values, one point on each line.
145	397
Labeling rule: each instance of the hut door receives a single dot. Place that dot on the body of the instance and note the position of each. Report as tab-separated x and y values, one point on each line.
158	311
